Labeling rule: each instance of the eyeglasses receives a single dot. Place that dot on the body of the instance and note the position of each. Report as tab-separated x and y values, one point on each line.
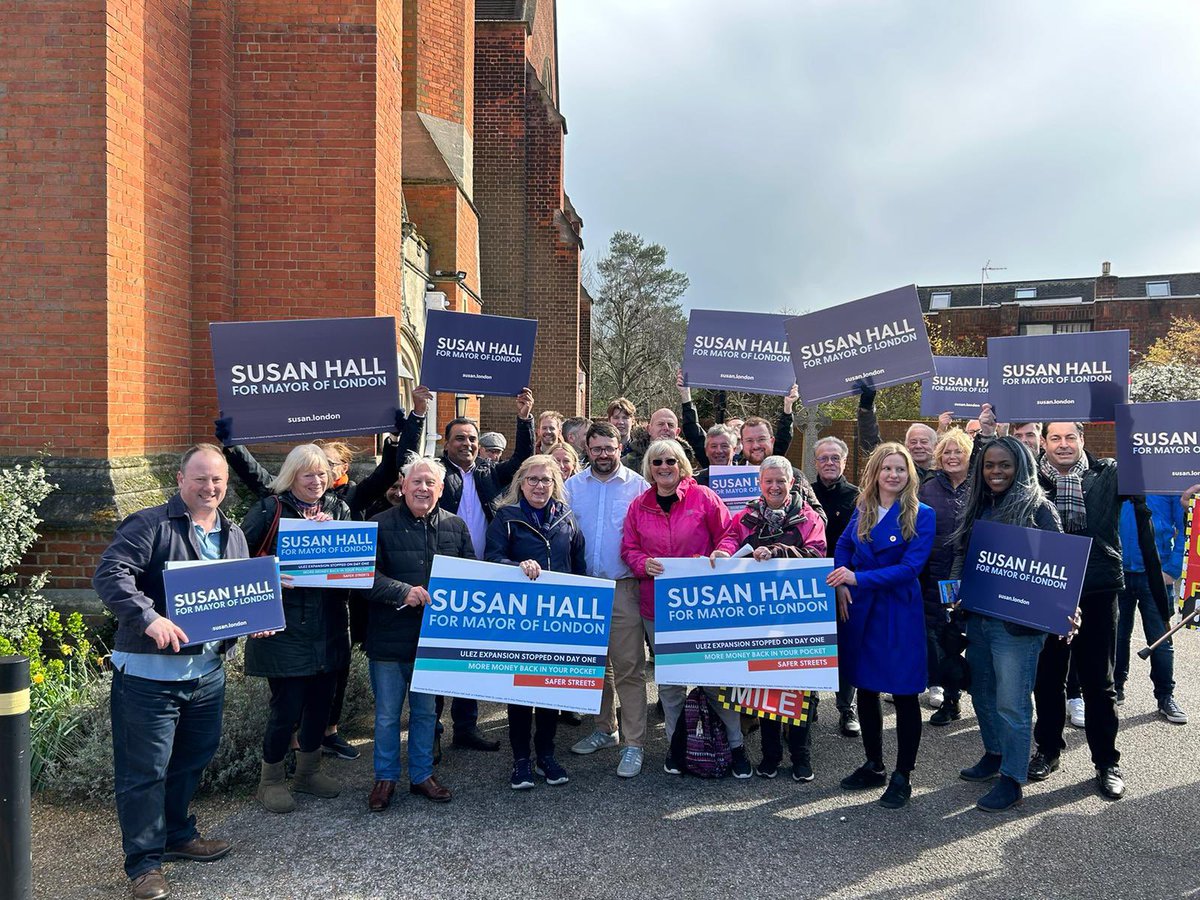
604	451
669	461
538	480
829	459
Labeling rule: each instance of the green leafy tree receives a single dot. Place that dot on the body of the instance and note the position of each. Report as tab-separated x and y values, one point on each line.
638	326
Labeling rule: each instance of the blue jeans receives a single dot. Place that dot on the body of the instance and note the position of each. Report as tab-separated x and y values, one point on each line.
1137	597
390	681
164	734
1003	669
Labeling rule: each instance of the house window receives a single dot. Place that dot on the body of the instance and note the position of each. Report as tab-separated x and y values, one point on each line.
1072	327
1158	289
1037	328
1026	294
939	300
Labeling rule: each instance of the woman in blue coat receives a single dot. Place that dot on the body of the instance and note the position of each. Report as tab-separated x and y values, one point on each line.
879	559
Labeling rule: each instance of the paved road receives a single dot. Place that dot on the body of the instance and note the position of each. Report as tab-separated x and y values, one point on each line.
660	836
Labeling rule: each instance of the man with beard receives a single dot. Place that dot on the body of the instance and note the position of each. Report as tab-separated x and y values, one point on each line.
599	496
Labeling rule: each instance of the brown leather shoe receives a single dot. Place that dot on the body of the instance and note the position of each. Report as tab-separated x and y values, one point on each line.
431	790
149	886
198	849
381	796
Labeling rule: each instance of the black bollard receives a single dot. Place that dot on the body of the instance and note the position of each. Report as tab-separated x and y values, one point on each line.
16	852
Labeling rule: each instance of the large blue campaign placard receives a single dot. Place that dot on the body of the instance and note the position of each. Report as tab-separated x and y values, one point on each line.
477	354
1024	575
737	351
959	385
226	598
1075	377
330	554
1158	447
745	623
874	342
489	633
306	378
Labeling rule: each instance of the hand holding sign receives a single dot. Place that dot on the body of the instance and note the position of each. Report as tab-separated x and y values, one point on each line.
417	596
165	632
421	397
525	403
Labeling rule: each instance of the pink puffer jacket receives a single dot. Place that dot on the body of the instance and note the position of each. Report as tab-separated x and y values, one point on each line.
697	523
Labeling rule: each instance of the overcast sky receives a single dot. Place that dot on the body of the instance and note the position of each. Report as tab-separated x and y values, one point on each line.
802	153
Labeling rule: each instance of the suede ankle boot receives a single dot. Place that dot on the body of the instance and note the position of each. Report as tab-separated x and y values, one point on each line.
309	779
273	793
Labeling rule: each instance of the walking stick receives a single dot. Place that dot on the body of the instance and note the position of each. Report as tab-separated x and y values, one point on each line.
1145	652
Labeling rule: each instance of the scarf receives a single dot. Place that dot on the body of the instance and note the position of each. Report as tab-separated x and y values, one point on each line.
1068	493
308	510
536	517
770	525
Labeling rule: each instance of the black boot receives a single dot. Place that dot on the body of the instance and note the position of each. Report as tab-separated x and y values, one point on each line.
898	791
948	713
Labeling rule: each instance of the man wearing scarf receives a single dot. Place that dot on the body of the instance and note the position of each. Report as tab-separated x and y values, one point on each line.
1084	489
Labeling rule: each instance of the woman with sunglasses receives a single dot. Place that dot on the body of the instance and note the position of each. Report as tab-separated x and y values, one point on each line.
881	644
674	518
535	529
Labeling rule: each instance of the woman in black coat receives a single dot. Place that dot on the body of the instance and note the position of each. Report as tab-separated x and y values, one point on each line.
301	663
535	529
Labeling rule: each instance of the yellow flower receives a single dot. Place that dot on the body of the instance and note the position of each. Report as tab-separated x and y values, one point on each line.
66	649
39	678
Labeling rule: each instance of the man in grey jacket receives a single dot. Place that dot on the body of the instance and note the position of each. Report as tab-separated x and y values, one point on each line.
167	699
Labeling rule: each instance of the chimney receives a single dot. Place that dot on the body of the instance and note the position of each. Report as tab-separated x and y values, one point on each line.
1106	284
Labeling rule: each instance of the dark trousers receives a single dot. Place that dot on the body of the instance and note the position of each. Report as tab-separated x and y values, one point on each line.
1137	598
908	728
1092	650
520	723
299	705
339	695
799	738
164	734
463	713
942	650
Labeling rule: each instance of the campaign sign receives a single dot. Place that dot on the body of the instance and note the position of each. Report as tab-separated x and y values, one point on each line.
791	707
306	378
1024	575
874	342
959	385
735	485
1058	377
1158	447
737	351
217	600
746	624
1190	590
329	554
489	633
476	354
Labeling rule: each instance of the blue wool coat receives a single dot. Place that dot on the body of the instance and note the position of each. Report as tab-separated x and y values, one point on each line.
882	646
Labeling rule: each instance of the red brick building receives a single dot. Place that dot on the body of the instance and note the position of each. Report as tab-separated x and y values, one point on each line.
169	163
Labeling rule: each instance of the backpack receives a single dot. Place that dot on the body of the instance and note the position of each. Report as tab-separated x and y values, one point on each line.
706	753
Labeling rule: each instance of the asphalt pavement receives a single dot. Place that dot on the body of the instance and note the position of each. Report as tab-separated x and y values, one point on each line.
664	836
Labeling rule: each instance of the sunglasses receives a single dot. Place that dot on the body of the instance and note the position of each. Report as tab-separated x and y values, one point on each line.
669	461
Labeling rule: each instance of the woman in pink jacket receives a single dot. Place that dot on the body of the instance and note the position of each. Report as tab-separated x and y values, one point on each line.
676	518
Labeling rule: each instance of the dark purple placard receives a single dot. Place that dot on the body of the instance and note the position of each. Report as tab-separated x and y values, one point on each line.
1024	575
737	351
1158	447
874	342
223	599
959	385
1077	377
306	378
477	354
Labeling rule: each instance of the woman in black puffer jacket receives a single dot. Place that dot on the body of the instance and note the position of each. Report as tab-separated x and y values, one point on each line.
535	529
301	663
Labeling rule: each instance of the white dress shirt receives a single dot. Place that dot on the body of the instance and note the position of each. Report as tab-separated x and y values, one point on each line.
600	508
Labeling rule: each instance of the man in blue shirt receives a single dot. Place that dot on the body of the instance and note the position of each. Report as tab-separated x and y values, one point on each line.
1170	534
167	698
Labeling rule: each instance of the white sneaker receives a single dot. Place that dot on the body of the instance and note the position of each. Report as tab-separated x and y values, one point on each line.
631	762
887	698
937	697
597	740
1075	712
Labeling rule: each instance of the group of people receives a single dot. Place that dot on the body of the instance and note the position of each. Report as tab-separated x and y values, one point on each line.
607	500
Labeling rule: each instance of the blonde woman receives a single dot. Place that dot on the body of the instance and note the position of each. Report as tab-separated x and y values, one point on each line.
566	456
301	662
535	530
879	560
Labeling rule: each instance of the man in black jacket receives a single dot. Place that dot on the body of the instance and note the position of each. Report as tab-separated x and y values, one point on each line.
410	535
696	436
1085	491
838	496
167	699
472	486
